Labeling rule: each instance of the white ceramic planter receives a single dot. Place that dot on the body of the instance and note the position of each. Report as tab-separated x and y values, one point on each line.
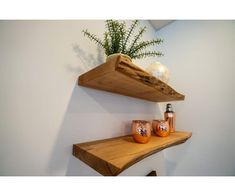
110	57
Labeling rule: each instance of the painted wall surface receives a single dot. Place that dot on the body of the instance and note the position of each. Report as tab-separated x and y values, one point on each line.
200	56
42	109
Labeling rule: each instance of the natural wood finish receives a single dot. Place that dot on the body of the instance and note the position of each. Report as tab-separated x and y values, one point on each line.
110	157
123	77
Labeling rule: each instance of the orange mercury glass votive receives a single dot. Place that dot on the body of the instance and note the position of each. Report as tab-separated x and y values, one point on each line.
141	131
161	128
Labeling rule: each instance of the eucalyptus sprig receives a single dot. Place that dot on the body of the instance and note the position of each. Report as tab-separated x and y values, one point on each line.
120	39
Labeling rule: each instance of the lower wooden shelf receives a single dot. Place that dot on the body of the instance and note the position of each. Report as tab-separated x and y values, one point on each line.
110	157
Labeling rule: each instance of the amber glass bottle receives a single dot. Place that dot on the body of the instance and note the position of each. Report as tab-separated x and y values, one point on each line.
170	117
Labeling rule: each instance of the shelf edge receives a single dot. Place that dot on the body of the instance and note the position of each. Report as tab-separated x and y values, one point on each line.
108	169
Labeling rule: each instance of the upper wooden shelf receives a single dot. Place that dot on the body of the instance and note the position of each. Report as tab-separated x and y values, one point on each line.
110	157
123	77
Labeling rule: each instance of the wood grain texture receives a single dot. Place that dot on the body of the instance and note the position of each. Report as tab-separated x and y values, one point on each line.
110	157
123	77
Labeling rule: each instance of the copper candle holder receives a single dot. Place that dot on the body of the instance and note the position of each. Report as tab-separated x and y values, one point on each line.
141	131
161	128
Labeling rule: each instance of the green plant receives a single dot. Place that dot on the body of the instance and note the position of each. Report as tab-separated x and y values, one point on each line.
120	39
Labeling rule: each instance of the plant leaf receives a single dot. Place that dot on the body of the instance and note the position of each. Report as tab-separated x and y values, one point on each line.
144	45
93	37
136	38
147	54
129	33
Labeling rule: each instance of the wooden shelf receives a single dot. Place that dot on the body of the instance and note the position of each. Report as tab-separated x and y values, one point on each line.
110	157
123	77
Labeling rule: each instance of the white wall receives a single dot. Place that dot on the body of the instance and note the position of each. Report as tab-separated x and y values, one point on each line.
42	109
200	56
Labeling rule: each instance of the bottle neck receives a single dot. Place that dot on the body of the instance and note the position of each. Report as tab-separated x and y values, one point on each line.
169	108
169	111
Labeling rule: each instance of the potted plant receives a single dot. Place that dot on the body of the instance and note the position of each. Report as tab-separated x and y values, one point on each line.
118	39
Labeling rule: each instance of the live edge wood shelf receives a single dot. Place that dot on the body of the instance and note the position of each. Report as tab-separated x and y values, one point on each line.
110	157
123	77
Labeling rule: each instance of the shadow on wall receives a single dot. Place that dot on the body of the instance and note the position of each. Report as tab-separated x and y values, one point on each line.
87	60
93	115
176	154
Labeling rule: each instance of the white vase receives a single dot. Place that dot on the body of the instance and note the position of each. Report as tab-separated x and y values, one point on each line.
110	57
159	71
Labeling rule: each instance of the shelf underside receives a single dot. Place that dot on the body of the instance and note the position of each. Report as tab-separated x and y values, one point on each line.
123	77
110	157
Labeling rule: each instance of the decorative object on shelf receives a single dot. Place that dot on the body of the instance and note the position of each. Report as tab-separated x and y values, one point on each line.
162	128
113	56
159	71
141	131
120	39
169	116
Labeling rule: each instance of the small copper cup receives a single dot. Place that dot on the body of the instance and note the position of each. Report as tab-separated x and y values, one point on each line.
141	131
161	128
